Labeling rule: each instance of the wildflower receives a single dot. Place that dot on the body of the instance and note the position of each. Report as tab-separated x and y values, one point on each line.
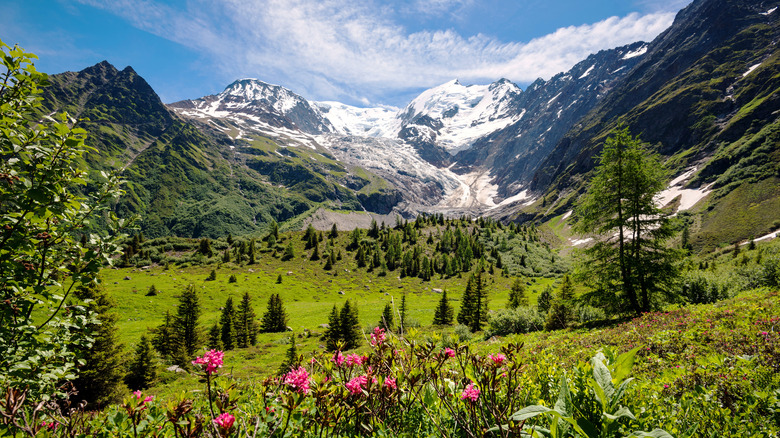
354	359
449	352
357	384
338	358
471	393
390	383
298	380
148	399
498	359
210	361
225	421
137	394
51	426
378	337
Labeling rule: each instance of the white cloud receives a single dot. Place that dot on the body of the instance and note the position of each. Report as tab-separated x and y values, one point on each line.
352	49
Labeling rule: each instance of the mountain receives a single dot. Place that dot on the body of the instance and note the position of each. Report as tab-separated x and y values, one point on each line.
704	96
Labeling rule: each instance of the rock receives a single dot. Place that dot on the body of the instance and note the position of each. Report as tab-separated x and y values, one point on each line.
289	272
127	277
176	369
438	291
324	326
116	282
251	270
289	329
341	292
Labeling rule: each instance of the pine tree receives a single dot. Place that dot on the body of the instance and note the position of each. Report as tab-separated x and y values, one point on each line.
212	275
444	311
291	359
402	314
387	318
164	337
186	322
517	296
561	312
350	326
233	278
543	301
100	377
332	334
215	337
205	247
467	303
279	279
226	255
273	230
251	250
334	232
289	252
315	255
227	320
480	315
275	317
142	371
246	326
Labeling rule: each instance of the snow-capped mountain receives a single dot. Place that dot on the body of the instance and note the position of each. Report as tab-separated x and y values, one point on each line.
365	122
454	115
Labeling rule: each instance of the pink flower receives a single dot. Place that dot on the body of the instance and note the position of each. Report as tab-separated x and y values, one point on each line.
225	421
449	352
470	393
51	426
137	394
210	361
148	399
354	359
378	337
338	358
298	380
390	383
357	384
498	359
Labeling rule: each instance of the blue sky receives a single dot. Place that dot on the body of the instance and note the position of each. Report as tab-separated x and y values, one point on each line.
361	52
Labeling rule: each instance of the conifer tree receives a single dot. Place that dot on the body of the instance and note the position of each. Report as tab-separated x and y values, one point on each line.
561	312
226	255
544	300
99	380
517	296
246	327
349	326
273	230
387	318
227	320
142	371
212	275
467	303
315	255
275	317
215	337
334	232
444	311
402	314
332	334
164	337
186	322
251	251
289	252
205	247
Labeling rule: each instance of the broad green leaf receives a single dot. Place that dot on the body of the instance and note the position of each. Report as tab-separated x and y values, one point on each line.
655	433
529	412
623	364
603	378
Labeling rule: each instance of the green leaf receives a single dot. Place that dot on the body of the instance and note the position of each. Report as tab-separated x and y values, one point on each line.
624	363
603	378
655	433
529	412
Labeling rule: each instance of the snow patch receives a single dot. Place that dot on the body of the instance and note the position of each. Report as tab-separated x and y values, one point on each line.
688	197
769	236
587	72
750	70
638	52
366	122
769	11
579	242
567	215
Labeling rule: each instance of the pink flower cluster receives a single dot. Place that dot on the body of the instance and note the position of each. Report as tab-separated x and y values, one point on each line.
498	359
354	359
471	393
211	361
378	337
51	426
225	421
357	384
390	383
298	380
449	352
338	359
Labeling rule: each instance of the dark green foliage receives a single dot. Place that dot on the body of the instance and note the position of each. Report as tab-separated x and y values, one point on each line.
315	254
152	291
246	326
205	247
215	338
544	300
561	313
334	232
99	381
186	323
517	295
474	303
142	371
227	320
343	330
233	278
279	279
634	270
402	313
386	322
165	339
289	252
443	315
226	255
212	275
275	317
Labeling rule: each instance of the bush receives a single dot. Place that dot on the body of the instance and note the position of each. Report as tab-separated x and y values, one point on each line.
463	333
587	314
700	288
513	321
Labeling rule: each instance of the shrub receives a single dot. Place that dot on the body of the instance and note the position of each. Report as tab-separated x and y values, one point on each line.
504	322
701	288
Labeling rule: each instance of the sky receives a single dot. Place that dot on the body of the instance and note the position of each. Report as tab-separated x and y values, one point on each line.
360	52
